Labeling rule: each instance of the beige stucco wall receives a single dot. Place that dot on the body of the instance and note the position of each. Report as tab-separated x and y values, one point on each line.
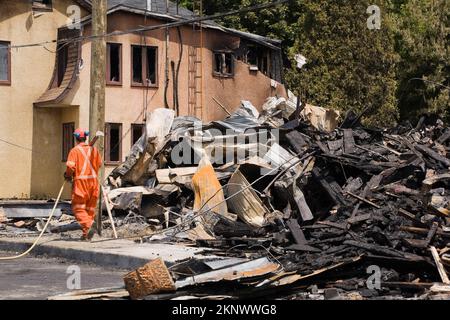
31	71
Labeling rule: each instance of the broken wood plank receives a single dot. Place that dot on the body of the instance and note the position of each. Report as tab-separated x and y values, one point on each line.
431	233
444	137
440	266
411	217
337	197
383	250
296	231
424	231
433	154
300	201
360	218
349	141
303	248
114	293
297	141
363	200
333	225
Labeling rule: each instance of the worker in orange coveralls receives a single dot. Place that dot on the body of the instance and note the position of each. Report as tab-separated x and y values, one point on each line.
83	164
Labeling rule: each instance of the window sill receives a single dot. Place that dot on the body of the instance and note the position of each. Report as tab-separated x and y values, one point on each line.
221	75
5	83
42	9
140	85
114	84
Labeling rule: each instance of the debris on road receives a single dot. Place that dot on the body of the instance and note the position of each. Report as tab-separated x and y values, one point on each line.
290	200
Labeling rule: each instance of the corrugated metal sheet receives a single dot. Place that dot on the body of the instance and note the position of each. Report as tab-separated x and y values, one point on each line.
255	268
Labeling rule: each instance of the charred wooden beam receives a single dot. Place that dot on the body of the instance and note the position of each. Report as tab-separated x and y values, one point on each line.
335	195
444	137
296	231
433	154
297	141
349	141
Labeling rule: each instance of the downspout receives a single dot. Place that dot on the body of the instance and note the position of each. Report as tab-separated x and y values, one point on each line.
178	69
166	86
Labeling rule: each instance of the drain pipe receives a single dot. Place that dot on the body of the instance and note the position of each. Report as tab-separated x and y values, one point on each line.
166	86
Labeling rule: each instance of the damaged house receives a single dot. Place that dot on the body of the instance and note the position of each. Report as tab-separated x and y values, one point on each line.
44	90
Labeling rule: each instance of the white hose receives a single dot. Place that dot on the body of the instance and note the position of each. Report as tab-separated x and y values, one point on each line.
43	230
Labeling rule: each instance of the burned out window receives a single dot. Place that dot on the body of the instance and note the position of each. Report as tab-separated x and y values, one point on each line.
113	143
5	63
114	64
67	139
62	60
258	59
151	64
223	64
137	130
144	66
42	5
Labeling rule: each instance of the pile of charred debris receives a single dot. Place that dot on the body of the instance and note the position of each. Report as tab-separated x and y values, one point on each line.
300	207
295	202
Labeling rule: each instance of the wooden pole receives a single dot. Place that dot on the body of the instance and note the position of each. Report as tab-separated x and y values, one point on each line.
97	89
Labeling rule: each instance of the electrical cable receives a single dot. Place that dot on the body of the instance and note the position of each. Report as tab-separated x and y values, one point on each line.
43	229
157	27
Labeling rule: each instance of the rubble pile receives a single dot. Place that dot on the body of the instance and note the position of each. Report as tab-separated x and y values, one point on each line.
291	200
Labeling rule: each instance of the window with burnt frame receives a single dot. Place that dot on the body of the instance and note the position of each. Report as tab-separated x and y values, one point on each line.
5	63
42	5
144	66
114	64
62	60
259	59
137	130
113	143
223	64
67	139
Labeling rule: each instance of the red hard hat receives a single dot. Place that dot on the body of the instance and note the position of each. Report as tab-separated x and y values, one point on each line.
81	133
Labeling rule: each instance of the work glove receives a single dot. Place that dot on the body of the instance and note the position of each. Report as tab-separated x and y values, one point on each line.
67	177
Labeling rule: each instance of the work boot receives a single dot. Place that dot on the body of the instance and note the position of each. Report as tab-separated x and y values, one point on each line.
91	231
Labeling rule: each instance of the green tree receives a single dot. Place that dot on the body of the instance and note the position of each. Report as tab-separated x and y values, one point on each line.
352	67
349	65
423	42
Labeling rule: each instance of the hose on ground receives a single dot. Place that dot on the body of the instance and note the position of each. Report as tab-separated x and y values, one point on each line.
43	230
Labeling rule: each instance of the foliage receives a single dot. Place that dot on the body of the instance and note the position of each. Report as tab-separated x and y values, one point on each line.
352	67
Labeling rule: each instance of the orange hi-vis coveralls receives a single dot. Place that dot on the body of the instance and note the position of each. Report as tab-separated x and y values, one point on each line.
83	163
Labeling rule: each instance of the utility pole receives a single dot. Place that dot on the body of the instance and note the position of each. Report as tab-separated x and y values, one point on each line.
97	89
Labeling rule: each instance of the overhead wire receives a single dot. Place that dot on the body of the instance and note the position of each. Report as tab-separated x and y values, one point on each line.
156	27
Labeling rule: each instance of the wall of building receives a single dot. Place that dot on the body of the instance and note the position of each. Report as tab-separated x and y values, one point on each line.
31	71
126	104
40	175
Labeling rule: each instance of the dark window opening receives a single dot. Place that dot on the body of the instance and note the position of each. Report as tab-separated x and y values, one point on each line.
114	64
224	64
5	63
63	56
217	63
67	139
144	65
137	65
113	145
258	58
137	130
42	5
151	65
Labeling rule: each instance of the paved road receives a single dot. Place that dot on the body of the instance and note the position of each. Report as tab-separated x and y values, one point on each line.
38	278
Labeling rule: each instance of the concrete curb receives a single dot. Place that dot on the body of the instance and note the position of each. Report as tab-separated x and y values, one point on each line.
76	255
123	254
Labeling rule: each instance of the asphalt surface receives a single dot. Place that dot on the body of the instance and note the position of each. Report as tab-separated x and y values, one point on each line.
36	278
